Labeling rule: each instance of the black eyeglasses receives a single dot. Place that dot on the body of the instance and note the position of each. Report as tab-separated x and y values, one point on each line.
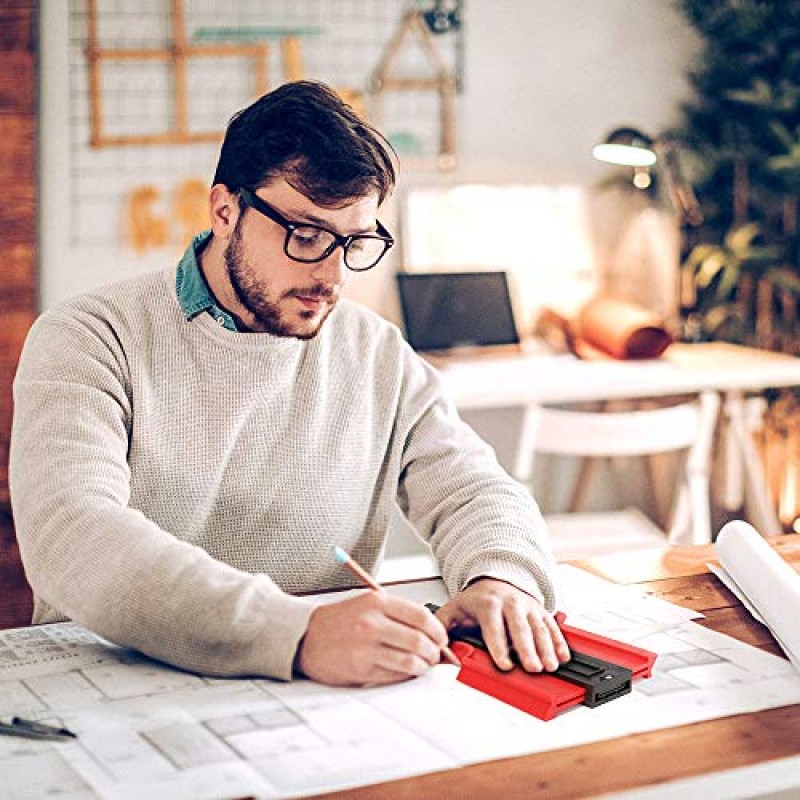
308	243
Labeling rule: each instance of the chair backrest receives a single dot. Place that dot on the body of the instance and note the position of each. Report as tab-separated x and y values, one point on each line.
621	433
687	426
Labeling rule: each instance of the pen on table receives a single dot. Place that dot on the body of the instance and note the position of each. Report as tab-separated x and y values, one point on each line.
343	558
28	729
42	728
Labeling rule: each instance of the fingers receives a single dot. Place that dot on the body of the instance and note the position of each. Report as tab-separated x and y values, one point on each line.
537	639
406	649
454	615
370	639
510	620
377	638
533	646
563	653
532	633
416	617
493	629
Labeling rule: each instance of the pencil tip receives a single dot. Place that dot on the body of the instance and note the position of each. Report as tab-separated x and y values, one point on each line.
340	555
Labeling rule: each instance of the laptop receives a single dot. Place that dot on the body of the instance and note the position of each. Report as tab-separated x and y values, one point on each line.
458	314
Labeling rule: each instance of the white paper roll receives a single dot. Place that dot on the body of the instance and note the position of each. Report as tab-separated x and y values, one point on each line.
770	584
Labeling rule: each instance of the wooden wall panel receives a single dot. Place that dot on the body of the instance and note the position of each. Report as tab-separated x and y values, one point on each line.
18	150
16	599
17	323
17	82
18	25
18	215
17	276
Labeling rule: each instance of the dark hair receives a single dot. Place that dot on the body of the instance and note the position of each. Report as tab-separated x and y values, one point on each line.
304	132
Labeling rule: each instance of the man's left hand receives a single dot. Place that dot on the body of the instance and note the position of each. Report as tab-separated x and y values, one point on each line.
508	617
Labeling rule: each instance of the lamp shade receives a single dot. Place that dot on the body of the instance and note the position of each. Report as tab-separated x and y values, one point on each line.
627	147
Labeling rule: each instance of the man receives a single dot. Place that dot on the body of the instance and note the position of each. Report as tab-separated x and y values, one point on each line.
189	445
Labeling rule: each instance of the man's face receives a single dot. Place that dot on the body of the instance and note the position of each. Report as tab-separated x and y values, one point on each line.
278	295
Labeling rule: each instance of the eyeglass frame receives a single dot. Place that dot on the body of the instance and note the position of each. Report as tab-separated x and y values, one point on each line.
252	200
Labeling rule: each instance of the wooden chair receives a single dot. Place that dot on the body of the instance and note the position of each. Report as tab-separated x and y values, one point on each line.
687	427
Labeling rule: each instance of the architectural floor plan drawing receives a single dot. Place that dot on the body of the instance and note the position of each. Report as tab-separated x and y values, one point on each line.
148	731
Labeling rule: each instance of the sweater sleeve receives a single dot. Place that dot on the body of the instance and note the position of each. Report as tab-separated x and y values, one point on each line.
477	519
104	564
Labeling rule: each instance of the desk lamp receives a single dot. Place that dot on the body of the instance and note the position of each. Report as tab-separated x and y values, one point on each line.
630	147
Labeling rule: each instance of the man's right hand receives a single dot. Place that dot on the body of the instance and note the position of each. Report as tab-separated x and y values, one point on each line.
374	638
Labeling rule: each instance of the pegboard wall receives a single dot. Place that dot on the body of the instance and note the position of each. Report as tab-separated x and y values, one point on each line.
128	189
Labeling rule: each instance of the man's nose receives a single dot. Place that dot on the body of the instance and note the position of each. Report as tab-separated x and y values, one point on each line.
331	270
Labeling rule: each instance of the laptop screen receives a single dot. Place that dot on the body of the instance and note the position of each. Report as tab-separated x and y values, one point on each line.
446	310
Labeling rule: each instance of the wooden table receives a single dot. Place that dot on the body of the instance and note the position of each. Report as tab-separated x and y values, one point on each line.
678	575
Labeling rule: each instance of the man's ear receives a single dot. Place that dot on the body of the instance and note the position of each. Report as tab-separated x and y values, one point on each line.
223	207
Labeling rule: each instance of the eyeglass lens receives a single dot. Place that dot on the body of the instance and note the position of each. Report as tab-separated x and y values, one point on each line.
308	243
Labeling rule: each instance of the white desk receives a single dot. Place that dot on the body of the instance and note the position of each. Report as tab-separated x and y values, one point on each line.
541	378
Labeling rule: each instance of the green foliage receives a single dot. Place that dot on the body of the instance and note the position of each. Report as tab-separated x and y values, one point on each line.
716	271
742	131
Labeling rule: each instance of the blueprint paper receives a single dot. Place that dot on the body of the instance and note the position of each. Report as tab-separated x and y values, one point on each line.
146	730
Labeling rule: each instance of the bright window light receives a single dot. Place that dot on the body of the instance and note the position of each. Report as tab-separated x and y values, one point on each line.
540	234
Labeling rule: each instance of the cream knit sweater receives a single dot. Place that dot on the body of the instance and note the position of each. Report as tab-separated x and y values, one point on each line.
173	482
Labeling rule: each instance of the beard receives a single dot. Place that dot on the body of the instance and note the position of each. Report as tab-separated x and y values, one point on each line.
254	295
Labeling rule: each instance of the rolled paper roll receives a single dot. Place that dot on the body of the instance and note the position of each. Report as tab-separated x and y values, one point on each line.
770	584
609	326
